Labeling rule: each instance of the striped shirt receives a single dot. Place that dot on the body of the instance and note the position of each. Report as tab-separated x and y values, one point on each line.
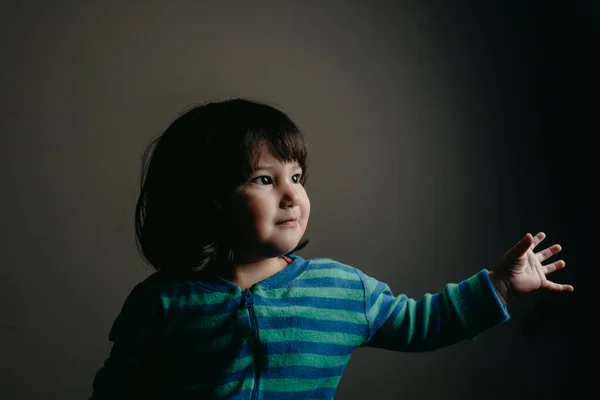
289	336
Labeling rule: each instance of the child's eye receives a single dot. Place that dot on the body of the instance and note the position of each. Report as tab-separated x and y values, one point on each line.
266	180
296	178
262	180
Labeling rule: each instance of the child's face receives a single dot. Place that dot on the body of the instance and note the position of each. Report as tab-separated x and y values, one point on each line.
273	194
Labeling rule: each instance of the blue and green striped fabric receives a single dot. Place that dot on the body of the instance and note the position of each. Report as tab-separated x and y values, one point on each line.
288	337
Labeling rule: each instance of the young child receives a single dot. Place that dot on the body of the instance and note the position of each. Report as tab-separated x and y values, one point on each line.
231	312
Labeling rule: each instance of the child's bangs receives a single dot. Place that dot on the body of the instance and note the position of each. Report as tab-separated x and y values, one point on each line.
286	146
275	132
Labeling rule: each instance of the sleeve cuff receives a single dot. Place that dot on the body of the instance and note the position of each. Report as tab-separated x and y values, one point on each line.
483	303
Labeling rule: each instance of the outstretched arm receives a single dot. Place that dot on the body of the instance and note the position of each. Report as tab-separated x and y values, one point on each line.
459	311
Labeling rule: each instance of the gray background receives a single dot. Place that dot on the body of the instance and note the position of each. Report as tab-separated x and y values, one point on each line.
439	135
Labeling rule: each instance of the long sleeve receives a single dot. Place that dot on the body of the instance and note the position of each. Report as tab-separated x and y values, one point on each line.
460	311
125	374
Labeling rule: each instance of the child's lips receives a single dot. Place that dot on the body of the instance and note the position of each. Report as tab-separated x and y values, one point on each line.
288	222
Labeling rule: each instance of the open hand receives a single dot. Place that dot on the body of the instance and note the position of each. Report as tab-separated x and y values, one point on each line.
521	271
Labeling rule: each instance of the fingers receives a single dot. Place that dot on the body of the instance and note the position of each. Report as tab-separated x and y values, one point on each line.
530	242
548	269
519	249
538	238
556	287
549	252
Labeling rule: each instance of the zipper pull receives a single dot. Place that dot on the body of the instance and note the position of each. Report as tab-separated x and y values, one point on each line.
248	301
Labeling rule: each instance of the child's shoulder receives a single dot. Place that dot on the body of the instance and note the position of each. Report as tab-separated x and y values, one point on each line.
331	267
326	262
154	280
336	268
152	286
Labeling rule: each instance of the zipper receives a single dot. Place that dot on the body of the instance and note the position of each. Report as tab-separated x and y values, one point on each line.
249	303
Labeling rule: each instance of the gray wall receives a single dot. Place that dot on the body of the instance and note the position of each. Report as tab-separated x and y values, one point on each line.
438	136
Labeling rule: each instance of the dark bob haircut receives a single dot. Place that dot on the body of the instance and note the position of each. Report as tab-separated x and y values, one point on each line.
191	168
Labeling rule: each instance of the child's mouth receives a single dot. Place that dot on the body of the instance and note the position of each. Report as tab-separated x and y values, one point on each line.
289	222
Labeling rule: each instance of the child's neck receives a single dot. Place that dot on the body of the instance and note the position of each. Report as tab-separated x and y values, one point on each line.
245	274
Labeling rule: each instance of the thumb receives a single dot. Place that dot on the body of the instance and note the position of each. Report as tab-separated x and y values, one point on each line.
521	248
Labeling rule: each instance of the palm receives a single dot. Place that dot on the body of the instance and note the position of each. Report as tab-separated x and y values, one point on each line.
523	269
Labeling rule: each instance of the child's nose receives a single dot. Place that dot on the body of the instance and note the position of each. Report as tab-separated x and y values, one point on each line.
289	195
